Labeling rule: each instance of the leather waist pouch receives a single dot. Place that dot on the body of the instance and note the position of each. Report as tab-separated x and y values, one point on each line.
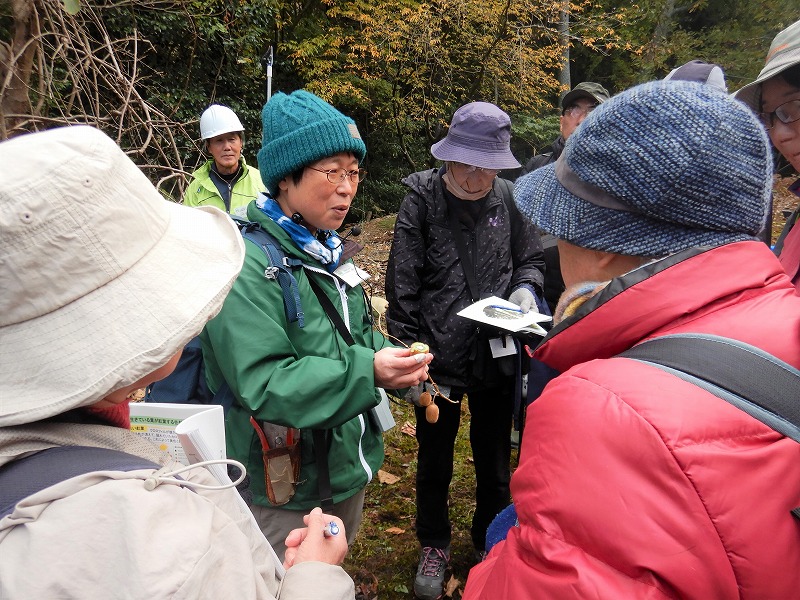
280	450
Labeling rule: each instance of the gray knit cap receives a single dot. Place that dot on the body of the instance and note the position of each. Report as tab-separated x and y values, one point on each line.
659	168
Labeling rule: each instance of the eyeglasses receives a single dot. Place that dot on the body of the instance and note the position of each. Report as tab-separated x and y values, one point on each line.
578	111
337	176
470	169
788	112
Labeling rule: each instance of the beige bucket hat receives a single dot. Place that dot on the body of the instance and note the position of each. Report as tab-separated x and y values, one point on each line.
784	52
101	279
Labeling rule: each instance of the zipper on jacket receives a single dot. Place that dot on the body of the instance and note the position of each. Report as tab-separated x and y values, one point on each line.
228	199
361	457
473	242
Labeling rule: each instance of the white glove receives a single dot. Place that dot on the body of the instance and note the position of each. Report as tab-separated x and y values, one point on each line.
523	298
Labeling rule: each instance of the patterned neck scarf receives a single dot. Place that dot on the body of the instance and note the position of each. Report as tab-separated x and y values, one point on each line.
574	296
328	253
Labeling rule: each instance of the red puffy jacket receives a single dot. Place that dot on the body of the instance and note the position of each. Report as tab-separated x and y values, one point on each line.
633	483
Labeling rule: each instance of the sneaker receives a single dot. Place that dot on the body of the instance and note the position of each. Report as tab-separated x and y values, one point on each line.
429	582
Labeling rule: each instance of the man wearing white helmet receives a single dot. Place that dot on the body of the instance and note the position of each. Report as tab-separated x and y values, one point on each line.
225	181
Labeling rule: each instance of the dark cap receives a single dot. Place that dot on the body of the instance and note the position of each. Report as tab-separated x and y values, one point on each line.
587	89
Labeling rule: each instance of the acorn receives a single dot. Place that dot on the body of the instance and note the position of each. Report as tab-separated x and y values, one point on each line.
419	348
425	399
432	413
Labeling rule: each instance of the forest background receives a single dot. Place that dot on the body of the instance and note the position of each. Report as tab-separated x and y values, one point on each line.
144	70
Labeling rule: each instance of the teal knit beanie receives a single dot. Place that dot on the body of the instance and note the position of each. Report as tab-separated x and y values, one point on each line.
299	129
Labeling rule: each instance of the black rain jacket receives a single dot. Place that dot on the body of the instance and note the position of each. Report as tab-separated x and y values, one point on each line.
425	282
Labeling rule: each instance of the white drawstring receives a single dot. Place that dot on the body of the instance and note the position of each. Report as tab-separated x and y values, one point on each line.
160	477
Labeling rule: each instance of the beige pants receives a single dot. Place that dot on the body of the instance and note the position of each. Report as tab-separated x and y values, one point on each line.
276	522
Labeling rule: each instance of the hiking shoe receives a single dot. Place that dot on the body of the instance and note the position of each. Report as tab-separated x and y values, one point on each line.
429	582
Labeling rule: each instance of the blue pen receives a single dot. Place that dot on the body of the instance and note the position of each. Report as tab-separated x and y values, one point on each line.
330	529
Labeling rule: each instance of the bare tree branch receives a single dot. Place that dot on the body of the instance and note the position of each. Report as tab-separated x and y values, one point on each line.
63	69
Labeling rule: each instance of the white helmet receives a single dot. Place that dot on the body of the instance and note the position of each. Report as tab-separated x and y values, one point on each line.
218	119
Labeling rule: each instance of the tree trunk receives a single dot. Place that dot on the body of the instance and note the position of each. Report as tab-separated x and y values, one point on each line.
664	25
663	29
563	33
16	66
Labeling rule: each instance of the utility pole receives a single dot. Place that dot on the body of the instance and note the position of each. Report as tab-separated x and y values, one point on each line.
266	60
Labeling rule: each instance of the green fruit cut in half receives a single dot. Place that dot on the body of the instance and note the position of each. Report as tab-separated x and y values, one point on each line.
419	348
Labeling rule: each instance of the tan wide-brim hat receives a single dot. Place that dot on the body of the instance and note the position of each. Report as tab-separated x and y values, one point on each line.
102	280
784	52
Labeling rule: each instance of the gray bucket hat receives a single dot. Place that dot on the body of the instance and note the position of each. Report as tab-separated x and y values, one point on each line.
479	135
701	72
784	52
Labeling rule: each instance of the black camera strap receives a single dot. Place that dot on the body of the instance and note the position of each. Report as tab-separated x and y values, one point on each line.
321	436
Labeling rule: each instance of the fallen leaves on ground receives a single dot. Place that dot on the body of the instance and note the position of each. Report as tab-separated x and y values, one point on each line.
451	586
366	585
782	200
409	429
395	530
387	478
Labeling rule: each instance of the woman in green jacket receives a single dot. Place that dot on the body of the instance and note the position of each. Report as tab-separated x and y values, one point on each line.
306	375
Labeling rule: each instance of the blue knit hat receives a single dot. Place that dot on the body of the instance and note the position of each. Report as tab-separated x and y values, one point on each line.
659	168
299	129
